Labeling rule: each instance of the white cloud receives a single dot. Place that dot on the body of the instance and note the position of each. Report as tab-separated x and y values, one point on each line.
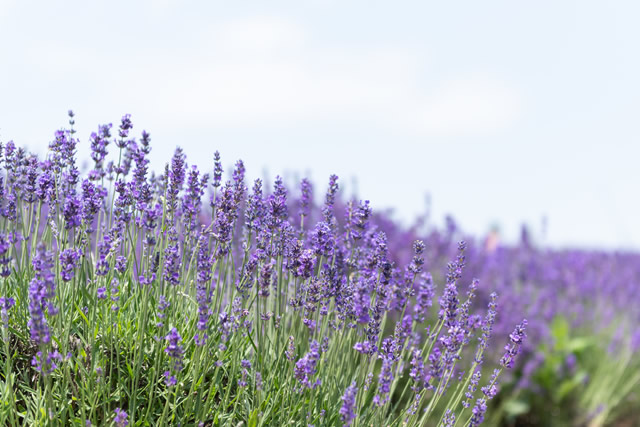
261	71
260	34
468	105
6	6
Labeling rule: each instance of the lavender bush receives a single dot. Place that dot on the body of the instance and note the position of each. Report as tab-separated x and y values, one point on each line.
130	298
581	360
134	298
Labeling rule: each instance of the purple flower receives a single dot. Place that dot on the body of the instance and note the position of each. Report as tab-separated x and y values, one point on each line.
418	260
512	349
217	170
41	295
121	264
239	188
242	382
347	411
424	296
417	370
291	349
477	413
277	205
121	417
125	127
99	142
92	199
176	177
226	213
139	187
5	305
172	259
174	350
31	179
163	304
322	239
359	220
255	207
5	258
330	199
45	190
449	418
487	327
449	300
48	365
265	279
306	367
146	280
305	198
68	262
115	296
473	386
385	379
191	201
72	212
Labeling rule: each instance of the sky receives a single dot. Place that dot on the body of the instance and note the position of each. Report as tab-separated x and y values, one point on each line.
501	112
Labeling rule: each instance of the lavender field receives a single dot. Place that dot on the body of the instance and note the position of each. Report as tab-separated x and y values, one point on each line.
203	297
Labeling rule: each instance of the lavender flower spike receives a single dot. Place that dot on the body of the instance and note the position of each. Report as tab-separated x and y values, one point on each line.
512	349
347	411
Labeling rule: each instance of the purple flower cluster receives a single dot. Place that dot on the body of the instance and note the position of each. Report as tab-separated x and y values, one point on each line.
41	296
347	411
175	351
271	290
305	368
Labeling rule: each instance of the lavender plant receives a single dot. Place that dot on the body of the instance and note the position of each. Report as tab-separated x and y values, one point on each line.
581	360
130	298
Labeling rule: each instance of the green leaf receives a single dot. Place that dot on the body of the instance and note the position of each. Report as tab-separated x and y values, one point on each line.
253	419
560	332
514	407
577	345
564	389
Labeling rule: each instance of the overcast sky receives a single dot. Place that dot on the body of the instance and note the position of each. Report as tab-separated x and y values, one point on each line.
504	112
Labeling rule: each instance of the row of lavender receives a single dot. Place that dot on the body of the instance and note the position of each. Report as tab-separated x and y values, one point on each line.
582	355
181	298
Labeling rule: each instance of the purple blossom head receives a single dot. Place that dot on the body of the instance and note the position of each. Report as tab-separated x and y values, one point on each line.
121	418
174	350
46	365
5	305
330	199
348	409
512	349
254	213
385	378
68	263
125	126
305	368
172	259
359	220
41	296
217	170
306	197
176	177
99	142
277	205
72	212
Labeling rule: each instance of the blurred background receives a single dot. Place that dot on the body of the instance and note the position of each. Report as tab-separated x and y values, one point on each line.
498	112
